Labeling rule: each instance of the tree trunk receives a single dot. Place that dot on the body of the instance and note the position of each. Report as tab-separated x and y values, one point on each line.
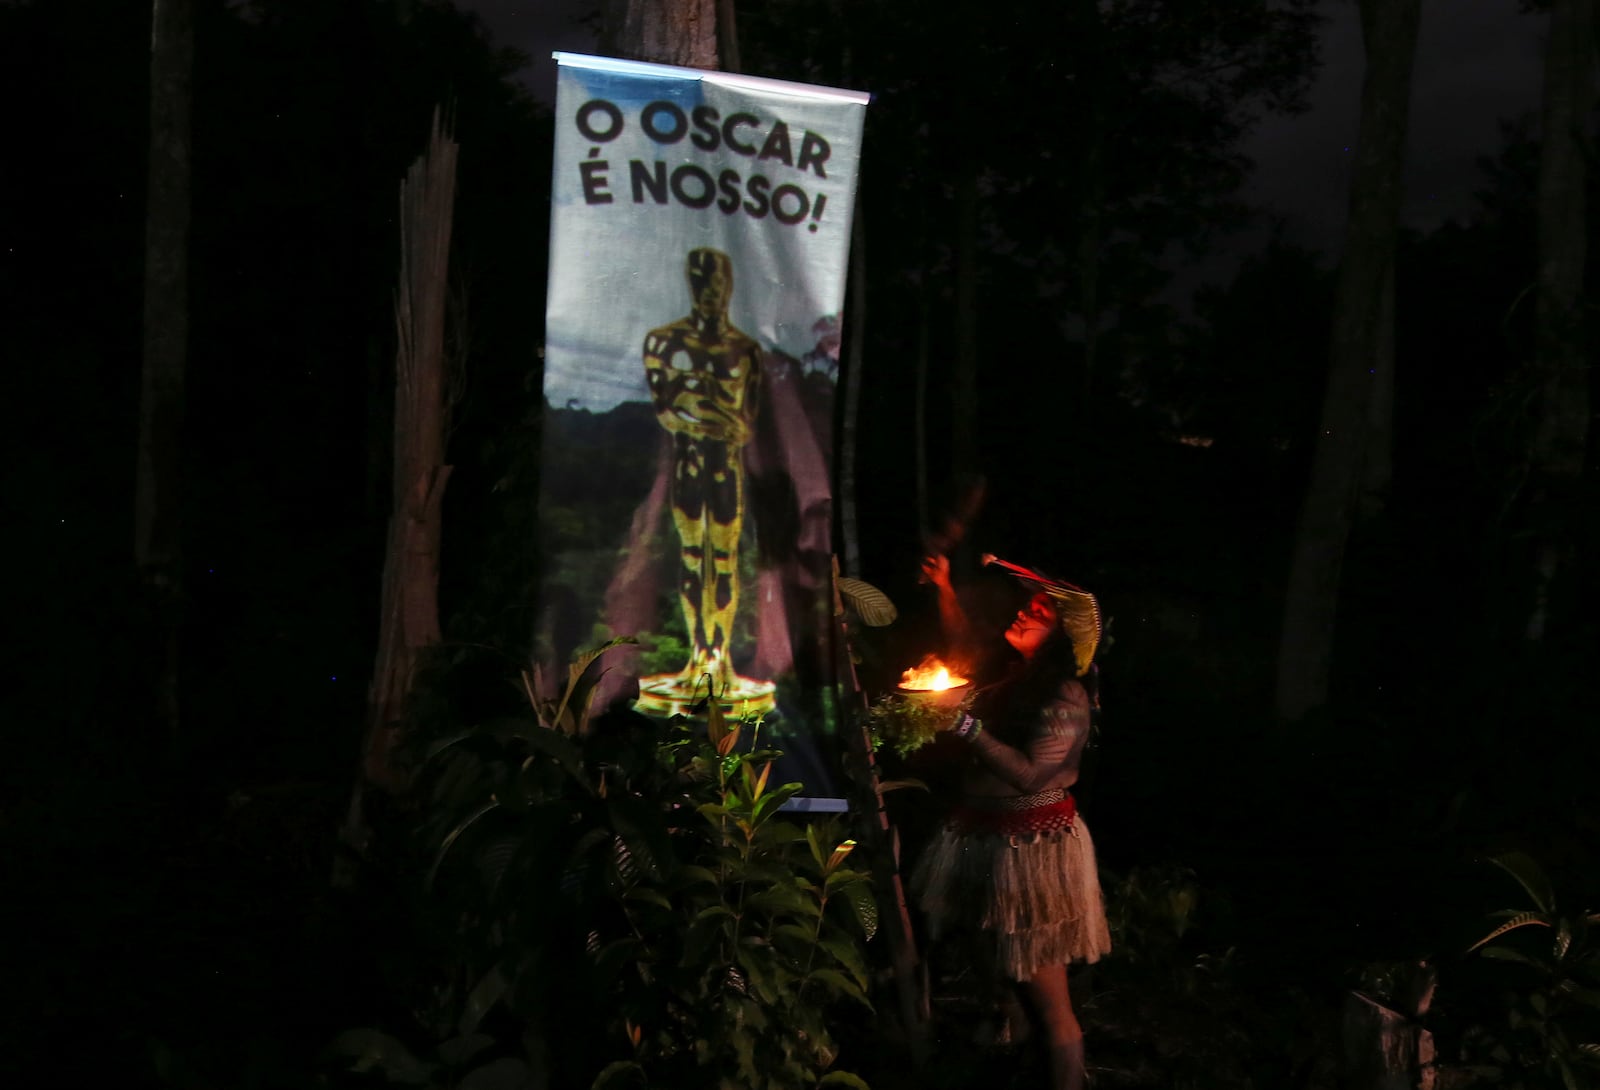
1560	435
408	622
964	371
1384	1049
1087	26
680	32
727	36
157	499
920	421
1377	465
410	610
1362	338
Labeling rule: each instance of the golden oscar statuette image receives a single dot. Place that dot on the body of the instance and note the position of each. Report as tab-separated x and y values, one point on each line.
704	376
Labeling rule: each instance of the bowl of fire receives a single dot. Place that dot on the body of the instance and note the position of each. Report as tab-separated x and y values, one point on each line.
933	685
927	701
948	698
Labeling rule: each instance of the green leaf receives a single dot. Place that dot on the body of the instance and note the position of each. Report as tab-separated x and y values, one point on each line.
459	1050
757	783
865	906
714	912
1530	876
616	955
643	829
508	789
575	678
1522	919
1589	997
871	604
1569	1080
703	933
846	954
843	1078
840	854
691	874
586	703
897	785
620	1073
370	1049
778	899
648	895
759	968
769	803
444	744
816	846
1508	954
455	834
840	985
484	995
587	843
843	877
564	751
774	835
804	934
774	873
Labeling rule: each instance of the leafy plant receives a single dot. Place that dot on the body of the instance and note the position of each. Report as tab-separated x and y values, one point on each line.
906	724
633	892
1166	1009
1552	1011
734	960
470	1061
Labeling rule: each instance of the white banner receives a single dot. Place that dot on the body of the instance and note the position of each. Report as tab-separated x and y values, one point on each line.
700	236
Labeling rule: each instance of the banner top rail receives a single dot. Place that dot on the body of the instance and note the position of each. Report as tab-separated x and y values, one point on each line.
720	79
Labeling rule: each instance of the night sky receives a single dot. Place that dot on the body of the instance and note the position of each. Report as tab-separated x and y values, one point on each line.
1477	67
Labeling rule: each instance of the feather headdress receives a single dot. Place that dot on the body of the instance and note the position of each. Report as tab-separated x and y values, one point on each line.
1077	611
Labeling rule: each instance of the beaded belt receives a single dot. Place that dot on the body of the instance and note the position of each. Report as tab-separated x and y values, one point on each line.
1015	815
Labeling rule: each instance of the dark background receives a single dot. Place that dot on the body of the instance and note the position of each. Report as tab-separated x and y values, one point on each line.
167	893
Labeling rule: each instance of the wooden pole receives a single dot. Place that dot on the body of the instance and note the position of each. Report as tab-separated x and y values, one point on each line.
883	844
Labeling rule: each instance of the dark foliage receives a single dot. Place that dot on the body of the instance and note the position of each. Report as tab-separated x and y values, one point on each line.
168	912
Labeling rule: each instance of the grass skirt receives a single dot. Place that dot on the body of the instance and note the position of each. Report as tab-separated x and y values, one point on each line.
1037	897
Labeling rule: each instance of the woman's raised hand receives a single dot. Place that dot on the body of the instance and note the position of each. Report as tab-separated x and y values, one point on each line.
936	570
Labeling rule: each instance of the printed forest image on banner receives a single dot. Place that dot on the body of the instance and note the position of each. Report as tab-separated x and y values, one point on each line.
700	234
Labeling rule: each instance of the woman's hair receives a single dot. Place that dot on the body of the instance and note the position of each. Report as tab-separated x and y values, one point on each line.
1038	680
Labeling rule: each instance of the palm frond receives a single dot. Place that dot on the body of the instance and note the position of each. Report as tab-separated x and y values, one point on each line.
1522	919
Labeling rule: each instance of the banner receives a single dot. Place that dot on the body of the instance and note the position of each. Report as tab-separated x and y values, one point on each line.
700	233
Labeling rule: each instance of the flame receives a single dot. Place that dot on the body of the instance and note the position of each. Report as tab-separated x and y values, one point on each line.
932	675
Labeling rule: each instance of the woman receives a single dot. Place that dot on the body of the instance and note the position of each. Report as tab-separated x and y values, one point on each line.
1015	861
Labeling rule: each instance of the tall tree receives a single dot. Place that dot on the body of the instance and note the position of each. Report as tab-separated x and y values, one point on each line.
157	501
1361	343
1062	263
1560	431
409	621
681	32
